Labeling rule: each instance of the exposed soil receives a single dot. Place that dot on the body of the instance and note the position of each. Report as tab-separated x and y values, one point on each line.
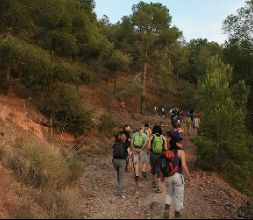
206	196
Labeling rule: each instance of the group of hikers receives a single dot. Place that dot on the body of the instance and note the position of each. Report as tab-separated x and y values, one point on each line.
192	118
165	154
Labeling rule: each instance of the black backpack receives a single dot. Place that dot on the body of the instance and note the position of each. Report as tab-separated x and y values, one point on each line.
119	150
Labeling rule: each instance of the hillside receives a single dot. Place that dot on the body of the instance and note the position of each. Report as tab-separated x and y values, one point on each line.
207	196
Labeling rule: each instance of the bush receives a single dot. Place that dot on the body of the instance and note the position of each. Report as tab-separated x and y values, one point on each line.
62	204
42	165
62	103
76	169
4	85
108	124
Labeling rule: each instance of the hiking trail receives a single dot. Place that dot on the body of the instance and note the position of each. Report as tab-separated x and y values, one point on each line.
206	196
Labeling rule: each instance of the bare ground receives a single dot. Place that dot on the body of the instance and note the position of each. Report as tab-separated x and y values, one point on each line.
206	196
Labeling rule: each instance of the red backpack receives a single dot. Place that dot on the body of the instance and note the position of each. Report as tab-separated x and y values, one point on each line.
169	163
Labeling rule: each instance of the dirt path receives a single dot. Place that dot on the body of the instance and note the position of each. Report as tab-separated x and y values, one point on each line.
208	196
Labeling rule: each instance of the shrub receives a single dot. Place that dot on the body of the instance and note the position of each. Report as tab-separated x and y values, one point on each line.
108	123
62	103
40	165
62	204
76	169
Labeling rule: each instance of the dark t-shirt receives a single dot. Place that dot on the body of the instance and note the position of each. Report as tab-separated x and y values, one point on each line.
128	138
120	150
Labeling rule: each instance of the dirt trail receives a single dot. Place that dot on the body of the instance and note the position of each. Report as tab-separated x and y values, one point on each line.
207	196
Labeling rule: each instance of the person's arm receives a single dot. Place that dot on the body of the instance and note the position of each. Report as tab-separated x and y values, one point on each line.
165	143
145	140
129	151
132	140
149	143
184	166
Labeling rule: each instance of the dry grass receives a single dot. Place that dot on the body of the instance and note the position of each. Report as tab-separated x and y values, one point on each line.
62	204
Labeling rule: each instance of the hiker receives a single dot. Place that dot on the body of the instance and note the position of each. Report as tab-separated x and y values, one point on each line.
120	152
147	130
191	115
189	125
174	116
163	112
127	131
157	144
144	152
155	111
176	131
139	141
196	121
123	106
174	181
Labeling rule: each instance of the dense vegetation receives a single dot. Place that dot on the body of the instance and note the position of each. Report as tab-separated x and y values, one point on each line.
53	46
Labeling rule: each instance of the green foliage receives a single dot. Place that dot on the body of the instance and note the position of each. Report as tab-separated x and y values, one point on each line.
62	104
118	61
238	50
240	26
4	86
200	52
66	203
108	124
223	144
76	169
39	165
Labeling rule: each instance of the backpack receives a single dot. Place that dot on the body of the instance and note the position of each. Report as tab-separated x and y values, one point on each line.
119	150
169	163
138	140
157	144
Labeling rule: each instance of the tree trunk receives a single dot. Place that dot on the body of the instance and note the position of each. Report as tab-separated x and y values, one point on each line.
143	95
115	82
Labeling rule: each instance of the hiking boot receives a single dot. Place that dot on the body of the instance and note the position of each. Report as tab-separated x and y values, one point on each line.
122	197
178	215
154	185
166	214
136	179
158	190
144	174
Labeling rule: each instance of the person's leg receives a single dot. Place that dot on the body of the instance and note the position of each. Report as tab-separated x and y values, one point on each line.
122	165
179	194
116	166
158	173
153	169
136	166
127	162
144	160
169	196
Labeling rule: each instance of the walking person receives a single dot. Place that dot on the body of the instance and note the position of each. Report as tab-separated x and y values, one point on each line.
156	144
196	122
139	141
145	154
175	180
189	125
127	131
120	152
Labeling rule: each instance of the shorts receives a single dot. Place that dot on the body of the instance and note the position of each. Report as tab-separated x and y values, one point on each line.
144	156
